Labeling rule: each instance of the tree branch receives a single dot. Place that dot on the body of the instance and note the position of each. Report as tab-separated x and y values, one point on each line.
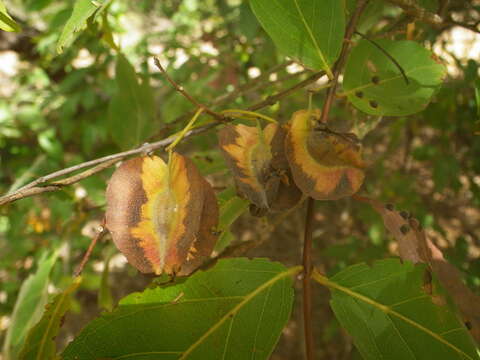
101	232
33	187
309	217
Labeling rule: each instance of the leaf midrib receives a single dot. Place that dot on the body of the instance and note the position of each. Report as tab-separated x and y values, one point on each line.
386	309
238	307
312	37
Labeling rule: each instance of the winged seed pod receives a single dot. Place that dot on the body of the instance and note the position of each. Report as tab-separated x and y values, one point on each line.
257	161
154	213
325	165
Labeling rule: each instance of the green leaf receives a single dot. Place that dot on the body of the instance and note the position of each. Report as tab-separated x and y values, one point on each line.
82	10
375	85
308	31
236	310
29	306
6	21
231	208
40	343
131	112
390	316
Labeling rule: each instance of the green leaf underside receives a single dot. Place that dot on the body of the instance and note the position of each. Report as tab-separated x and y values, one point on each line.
389	315
391	93
29	306
308	31
230	210
131	112
235	310
40	343
82	10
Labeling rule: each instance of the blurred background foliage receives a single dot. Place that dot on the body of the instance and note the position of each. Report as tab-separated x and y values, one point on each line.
103	94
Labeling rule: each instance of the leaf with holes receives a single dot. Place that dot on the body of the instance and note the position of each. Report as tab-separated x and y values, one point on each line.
308	31
154	213
325	165
390	316
236	310
375	84
40	342
414	246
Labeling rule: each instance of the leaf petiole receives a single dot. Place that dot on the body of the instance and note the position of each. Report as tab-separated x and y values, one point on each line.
180	136
247	115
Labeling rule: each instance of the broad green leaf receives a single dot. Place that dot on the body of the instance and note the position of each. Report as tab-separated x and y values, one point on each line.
231	208
375	85
6	21
82	10
308	31
29	306
236	310
40	342
390	316
131	112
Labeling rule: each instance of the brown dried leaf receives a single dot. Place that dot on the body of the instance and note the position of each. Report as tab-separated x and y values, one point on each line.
153	211
288	194
325	165
414	246
247	153
207	235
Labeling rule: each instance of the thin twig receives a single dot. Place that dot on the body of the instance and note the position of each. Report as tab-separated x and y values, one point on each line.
274	98
259	83
307	286
181	90
33	188
102	231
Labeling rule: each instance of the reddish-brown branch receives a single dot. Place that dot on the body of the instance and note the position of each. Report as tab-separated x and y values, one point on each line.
100	234
308	236
307	285
342	59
